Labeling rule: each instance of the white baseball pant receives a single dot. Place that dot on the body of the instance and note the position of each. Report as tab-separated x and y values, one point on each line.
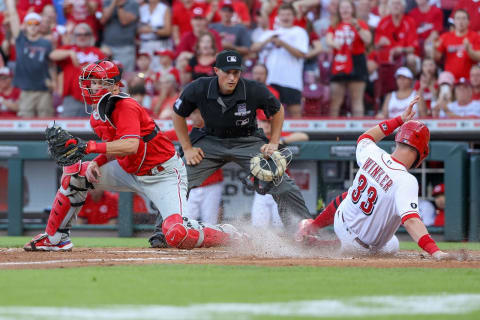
350	246
167	189
203	203
265	212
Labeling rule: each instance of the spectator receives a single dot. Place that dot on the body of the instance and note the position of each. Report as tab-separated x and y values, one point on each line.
426	86
271	9
26	6
49	27
162	106
101	207
71	59
460	47
463	106
472	8
260	73
429	21
438	194
137	90
182	13
155	26
119	19
166	58
396	102
199	22
475	81
32	65
446	81
234	36
9	95
363	10
396	37
202	63
348	38
285	46
382	9
83	11
144	71
241	14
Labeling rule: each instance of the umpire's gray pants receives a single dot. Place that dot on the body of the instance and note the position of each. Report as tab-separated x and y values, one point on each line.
219	151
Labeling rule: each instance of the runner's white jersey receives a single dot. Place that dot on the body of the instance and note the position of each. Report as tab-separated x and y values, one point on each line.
383	192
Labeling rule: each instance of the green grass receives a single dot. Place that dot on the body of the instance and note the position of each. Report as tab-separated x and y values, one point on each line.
196	284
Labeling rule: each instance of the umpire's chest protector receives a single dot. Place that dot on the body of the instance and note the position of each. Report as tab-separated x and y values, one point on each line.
237	110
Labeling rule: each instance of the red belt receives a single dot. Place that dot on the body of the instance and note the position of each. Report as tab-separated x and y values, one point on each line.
357	239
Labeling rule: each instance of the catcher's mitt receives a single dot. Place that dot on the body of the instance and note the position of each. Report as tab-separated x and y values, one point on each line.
64	148
271	169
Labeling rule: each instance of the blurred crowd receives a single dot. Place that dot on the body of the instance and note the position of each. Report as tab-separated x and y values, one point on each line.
322	58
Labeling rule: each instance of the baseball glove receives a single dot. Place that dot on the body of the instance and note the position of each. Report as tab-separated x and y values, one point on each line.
64	148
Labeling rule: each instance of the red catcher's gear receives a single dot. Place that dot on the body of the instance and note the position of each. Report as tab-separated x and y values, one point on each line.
105	72
415	134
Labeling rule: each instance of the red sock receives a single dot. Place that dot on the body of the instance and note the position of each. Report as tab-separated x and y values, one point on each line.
325	218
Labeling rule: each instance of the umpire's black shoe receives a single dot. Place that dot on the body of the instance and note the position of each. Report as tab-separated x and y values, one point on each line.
158	241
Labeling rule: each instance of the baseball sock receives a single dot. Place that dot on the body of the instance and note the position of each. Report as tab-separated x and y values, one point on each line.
325	218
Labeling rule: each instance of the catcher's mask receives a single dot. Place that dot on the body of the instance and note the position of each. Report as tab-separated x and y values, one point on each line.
267	172
97	79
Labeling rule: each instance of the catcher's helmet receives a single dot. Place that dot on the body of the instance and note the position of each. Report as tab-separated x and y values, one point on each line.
415	134
97	79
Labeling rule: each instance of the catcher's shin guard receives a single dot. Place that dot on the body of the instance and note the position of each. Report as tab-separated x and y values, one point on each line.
69	199
183	233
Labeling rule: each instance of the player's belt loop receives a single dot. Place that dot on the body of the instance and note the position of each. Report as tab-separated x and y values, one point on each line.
156	170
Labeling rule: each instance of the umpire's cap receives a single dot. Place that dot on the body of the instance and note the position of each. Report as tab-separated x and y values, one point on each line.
229	60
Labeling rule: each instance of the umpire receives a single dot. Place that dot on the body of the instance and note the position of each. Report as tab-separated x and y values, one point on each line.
228	105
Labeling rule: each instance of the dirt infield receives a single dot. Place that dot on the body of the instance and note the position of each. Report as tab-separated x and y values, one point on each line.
15	258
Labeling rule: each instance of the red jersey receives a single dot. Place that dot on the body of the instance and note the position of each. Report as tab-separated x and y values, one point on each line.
476	96
240	10
427	95
13	95
77	11
347	35
182	15
131	120
215	177
273	21
189	40
457	60
403	35
473	9
429	21
439	218
102	211
71	72
23	6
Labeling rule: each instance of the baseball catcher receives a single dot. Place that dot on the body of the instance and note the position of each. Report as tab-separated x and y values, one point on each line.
134	156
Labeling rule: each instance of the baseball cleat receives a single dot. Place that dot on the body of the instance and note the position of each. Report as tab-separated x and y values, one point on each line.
42	243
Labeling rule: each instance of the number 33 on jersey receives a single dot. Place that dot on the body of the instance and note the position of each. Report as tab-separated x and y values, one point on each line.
383	192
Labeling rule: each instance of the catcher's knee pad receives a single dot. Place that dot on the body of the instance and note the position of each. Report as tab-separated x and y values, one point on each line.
180	234
70	197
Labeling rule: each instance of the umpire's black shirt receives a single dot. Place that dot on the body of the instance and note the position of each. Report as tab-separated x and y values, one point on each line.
221	112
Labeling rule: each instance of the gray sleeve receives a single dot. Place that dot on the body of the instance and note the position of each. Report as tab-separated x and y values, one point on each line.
133	7
244	38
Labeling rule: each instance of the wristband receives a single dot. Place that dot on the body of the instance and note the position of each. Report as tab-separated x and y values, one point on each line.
388	126
101	159
428	244
94	147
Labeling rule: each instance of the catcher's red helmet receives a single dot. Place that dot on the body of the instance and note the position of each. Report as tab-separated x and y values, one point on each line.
415	134
106	74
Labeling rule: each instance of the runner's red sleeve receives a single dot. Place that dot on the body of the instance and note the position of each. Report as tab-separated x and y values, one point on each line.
388	126
365	136
428	244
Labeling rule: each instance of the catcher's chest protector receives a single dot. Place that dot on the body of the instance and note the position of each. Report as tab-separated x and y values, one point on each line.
104	130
